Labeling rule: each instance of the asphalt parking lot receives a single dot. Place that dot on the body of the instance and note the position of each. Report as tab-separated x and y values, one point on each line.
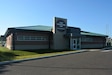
95	62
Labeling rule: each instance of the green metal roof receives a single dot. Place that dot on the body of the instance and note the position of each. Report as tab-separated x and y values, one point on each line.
48	28
92	34
37	27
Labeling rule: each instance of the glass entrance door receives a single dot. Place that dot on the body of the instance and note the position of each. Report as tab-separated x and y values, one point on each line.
75	43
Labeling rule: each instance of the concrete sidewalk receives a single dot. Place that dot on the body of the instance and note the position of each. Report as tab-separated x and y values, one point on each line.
107	48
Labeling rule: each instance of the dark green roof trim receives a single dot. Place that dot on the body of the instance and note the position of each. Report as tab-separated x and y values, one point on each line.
49	28
92	34
37	27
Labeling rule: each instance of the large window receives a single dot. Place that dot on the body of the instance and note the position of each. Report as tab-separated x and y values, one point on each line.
32	38
86	39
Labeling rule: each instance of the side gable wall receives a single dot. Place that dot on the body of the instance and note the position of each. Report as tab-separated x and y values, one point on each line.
9	41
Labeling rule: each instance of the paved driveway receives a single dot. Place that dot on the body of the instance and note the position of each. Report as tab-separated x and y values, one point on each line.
87	63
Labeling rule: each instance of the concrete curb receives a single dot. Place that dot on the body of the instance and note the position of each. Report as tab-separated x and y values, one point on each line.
37	58
107	48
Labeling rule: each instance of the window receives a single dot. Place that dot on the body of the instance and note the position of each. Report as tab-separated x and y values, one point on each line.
86	39
20	38
44	38
38	38
26	37
32	38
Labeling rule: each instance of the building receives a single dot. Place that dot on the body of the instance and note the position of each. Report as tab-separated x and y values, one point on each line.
109	42
2	40
58	37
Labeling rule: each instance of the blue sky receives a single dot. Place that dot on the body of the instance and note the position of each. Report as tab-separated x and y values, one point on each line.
89	15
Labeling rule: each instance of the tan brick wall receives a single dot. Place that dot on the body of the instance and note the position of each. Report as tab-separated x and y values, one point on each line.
9	41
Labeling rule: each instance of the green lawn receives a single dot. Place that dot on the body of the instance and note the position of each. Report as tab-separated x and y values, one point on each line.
6	54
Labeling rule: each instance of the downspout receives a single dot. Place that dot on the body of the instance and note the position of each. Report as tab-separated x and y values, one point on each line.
71	41
13	39
49	39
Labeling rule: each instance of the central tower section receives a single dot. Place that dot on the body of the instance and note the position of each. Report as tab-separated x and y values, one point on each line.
59	30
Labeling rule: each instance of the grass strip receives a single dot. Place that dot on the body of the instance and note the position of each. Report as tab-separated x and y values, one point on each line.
7	55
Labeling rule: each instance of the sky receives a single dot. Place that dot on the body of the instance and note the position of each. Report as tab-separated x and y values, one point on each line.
89	15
